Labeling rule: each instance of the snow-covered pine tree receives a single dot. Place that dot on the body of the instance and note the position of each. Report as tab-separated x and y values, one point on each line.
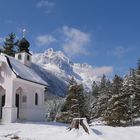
65	109
83	109
94	100
126	98
9	46
130	92
117	85
117	108
75	104
136	100
116	111
95	89
138	64
89	100
53	107
103	97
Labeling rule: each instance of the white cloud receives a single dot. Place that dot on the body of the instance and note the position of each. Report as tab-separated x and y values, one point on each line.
90	73
75	41
103	70
46	5
43	40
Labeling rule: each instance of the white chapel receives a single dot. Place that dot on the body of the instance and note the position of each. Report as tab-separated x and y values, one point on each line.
21	88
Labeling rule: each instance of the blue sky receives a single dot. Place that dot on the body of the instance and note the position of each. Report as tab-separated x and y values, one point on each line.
99	32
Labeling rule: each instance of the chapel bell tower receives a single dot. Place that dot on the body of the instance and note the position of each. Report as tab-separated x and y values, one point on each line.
24	56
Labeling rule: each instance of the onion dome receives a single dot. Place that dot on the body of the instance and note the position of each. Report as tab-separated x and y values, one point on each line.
24	45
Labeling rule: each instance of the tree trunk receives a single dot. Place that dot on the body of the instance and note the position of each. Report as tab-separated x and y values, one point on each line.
76	122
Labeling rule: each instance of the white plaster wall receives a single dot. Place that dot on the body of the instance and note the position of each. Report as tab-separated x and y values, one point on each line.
28	110
0	105
33	114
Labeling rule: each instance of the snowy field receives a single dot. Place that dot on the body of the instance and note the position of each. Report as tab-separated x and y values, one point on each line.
57	131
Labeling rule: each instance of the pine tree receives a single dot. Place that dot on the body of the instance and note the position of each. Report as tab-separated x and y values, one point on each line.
125	84
136	101
137	74
103	82
138	64
66	105
116	106
117	85
9	47
83	110
75	104
116	111
95	89
104	95
120	99
94	100
101	93
126	93
90	100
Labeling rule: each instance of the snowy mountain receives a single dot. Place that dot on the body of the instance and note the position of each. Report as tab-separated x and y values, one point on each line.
56	69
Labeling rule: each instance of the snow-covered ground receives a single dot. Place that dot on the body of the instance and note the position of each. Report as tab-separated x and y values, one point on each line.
57	131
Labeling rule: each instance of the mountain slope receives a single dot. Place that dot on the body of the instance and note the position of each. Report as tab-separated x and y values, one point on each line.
56	69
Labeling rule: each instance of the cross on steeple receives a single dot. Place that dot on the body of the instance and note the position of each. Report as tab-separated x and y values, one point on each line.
23	32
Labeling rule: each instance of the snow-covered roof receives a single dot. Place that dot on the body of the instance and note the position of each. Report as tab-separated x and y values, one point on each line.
24	72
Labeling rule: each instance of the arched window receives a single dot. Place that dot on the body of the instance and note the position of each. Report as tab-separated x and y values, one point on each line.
28	57
36	99
19	57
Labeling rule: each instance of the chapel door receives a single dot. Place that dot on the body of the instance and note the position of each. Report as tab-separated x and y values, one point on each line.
2	105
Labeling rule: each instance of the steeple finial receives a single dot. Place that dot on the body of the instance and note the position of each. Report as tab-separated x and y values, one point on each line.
23	32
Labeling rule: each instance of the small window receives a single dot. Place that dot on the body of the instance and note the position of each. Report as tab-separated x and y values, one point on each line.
28	57
19	57
36	99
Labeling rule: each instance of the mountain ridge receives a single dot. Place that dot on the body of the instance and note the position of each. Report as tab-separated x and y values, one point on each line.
57	69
